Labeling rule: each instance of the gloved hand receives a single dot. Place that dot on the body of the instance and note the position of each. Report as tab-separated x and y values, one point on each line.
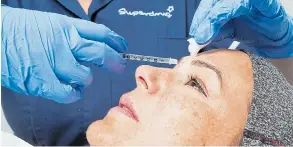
40	53
262	24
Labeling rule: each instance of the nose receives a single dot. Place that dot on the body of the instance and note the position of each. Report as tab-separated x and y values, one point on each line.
148	78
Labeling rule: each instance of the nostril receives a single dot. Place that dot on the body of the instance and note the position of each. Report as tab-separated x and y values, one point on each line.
143	82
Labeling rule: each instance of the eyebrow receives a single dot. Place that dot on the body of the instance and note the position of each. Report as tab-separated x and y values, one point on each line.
201	63
209	66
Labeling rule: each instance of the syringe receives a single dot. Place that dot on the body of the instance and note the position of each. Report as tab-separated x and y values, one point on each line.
149	58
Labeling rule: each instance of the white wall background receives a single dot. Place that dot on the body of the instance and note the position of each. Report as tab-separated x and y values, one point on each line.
288	4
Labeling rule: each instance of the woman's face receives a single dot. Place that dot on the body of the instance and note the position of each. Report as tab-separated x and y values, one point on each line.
204	100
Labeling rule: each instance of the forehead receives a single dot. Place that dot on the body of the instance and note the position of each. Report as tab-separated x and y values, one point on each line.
224	59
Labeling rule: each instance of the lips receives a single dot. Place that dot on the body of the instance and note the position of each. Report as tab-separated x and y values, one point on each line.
127	105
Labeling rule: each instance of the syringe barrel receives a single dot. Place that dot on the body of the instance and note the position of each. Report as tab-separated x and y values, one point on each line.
147	58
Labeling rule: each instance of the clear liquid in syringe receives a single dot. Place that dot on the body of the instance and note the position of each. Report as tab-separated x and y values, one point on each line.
149	58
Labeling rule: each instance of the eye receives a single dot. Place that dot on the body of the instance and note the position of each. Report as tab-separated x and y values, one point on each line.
197	84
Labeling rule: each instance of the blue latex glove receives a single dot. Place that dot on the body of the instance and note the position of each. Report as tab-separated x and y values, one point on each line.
40	53
262	24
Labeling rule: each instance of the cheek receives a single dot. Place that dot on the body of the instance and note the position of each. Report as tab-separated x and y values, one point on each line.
228	121
186	113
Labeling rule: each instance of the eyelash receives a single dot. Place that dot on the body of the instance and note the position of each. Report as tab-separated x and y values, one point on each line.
194	82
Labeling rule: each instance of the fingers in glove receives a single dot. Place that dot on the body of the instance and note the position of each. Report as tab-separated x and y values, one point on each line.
99	32
200	15
269	8
100	54
44	83
70	71
220	14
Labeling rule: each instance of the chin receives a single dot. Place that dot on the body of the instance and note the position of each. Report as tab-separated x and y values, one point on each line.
94	133
100	133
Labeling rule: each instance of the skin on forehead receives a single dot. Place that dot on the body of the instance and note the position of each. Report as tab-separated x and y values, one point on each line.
172	112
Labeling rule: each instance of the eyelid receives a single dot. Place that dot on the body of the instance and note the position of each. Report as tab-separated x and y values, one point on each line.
203	86
201	83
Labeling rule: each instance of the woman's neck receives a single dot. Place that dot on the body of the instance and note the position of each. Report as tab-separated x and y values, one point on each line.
85	4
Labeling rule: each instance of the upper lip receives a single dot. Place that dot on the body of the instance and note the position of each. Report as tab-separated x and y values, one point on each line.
125	102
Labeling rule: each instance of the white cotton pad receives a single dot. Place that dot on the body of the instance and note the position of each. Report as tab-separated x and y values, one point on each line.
193	47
